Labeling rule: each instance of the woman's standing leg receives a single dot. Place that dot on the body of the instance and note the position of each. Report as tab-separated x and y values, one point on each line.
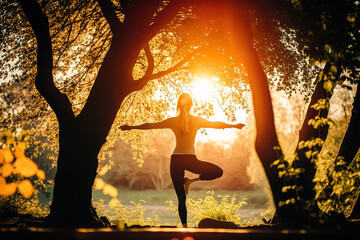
177	173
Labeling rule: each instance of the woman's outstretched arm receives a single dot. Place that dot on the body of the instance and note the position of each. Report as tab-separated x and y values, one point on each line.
219	125
145	126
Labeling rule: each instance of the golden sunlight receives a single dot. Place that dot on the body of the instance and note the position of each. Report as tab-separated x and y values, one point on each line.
203	88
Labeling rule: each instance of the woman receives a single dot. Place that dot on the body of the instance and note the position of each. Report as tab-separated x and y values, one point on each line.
185	127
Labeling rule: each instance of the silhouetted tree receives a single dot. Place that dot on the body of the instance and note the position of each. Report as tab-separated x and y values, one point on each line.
81	136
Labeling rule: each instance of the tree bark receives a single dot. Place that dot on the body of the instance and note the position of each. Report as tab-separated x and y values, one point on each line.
349	148
81	139
266	142
350	144
308	132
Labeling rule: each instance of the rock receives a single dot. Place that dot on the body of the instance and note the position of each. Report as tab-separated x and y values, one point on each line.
213	223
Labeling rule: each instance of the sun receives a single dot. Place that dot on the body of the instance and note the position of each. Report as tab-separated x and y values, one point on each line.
203	89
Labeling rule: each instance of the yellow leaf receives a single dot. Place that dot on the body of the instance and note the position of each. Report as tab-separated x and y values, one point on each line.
98	184
2	159
26	188
40	174
7	189
19	152
8	156
308	154
25	166
110	190
103	170
113	202
20	149
6	169
328	85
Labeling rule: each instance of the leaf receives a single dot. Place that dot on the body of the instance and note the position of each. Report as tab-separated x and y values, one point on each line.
113	202
7	155
98	184
26	188
110	190
276	162
311	122
7	189
25	166
19	151
6	169
103	170
301	144
328	85
40	174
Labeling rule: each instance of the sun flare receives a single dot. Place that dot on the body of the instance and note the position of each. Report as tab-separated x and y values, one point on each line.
203	89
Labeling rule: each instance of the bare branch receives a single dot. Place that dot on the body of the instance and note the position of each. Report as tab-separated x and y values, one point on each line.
44	79
139	84
163	17
109	13
150	60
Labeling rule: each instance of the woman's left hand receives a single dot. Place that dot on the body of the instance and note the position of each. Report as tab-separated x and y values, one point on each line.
240	125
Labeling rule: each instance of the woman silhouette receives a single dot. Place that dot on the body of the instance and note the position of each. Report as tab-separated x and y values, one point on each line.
185	127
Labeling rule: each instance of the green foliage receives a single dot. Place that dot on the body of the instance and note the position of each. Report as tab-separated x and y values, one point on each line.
320	122
289	173
338	178
344	180
221	208
126	215
17	204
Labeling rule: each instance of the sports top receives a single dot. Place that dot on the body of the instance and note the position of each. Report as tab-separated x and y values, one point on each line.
185	142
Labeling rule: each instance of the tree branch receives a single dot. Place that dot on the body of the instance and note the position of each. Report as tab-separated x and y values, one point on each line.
109	13
139	84
163	17
44	81
150	60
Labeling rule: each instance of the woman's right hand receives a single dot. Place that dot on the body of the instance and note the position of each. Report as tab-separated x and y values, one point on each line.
125	127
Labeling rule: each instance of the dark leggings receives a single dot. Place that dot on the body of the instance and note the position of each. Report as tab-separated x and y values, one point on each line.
178	165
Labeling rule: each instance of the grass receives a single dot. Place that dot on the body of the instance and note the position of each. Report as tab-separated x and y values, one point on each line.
255	199
154	203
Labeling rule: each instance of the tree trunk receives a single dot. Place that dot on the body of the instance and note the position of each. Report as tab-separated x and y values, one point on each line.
81	139
266	143
76	171
349	148
308	132
349	145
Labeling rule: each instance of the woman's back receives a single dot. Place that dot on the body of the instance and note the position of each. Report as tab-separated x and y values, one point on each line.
185	141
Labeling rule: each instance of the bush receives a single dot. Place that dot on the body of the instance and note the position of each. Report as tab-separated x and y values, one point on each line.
221	208
126	215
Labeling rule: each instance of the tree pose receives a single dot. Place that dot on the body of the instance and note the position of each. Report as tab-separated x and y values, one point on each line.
185	127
